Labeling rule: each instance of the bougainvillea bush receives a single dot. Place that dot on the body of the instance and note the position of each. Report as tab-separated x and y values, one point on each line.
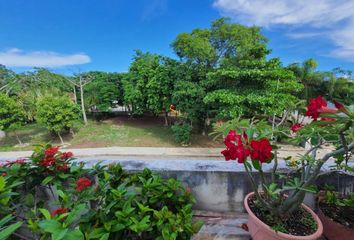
61	199
282	195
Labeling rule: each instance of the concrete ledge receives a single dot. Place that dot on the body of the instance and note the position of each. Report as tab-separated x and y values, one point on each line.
158	152
218	185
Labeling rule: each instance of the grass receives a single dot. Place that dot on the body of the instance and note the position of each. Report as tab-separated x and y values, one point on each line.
113	132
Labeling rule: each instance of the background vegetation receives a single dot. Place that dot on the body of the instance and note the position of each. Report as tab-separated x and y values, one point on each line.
222	72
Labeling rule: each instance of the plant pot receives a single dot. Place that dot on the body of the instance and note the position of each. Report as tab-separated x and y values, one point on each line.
261	231
333	230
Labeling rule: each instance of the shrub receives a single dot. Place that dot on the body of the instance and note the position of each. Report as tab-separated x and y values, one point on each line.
11	114
57	113
62	198
182	133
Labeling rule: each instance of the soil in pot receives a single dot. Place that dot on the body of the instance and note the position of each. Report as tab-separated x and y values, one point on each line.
299	223
340	214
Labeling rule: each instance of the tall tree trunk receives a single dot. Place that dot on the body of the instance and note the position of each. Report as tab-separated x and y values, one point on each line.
61	139
75	97
18	139
206	124
166	119
82	102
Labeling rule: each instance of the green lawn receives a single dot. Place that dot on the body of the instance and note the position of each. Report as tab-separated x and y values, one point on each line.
121	132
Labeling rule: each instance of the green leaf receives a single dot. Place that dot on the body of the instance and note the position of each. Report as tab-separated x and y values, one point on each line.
256	165
76	213
5	220
97	233
58	235
2	183
50	226
47	180
6	232
105	237
45	213
74	235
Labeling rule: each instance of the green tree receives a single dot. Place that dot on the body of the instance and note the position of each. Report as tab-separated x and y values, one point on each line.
228	74
141	71
101	91
310	78
160	87
57	113
11	115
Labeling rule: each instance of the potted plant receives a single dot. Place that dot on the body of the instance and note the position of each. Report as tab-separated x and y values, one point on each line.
275	208
336	212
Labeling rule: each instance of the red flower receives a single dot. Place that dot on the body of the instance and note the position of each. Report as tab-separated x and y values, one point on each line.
82	183
235	148
48	161
62	168
261	150
18	161
339	105
50	152
313	109
327	110
232	138
240	153
328	119
59	211
296	127
227	154
4	174
66	155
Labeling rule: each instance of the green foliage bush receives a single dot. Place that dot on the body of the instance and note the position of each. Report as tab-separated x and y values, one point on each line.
11	114
182	133
109	204
57	113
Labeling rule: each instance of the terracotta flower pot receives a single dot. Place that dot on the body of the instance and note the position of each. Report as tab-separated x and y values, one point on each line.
333	230
260	231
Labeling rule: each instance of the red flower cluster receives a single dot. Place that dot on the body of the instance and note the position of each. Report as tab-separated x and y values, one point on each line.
9	163
66	155
296	127
4	174
50	152
49	157
52	158
240	150
62	168
47	161
82	183
319	105
59	211
314	107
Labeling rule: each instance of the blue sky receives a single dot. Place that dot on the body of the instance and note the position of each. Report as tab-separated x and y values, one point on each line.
102	34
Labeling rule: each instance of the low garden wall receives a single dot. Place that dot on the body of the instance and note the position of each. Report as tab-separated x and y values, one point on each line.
220	185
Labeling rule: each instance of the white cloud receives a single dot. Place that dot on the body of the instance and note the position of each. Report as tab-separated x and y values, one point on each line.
332	19
15	57
298	35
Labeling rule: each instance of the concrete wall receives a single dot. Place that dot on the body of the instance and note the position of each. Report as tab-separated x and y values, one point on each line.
218	185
